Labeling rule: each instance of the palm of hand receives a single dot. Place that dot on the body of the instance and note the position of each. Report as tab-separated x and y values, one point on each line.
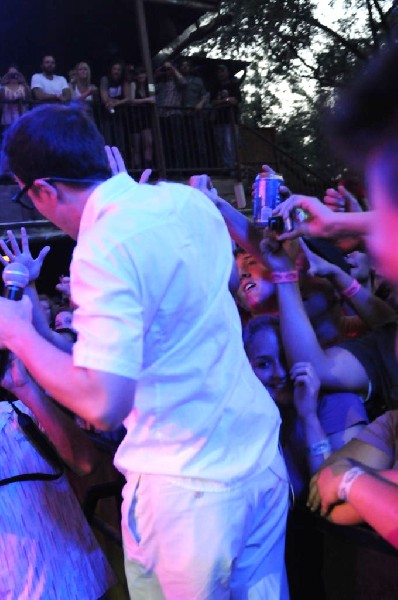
23	254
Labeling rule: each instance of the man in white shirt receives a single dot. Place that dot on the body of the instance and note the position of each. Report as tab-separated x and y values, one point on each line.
159	348
47	87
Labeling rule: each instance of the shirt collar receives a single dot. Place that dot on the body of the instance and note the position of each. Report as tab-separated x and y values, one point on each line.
103	194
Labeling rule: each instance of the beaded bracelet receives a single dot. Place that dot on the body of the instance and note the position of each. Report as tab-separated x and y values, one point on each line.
348	479
284	276
321	447
352	289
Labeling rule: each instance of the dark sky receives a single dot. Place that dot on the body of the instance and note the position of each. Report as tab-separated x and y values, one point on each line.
75	30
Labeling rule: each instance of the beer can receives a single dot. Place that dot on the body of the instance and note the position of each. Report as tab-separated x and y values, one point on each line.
266	197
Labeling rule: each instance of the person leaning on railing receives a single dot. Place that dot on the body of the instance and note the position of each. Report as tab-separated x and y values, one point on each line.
14	94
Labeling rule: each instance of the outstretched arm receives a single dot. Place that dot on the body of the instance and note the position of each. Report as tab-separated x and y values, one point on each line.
369	307
320	221
241	230
336	368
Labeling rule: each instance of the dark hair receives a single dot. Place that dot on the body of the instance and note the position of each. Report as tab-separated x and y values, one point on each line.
55	141
258	324
365	115
117	61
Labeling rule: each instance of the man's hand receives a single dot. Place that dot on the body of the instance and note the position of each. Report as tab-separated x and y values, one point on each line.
23	255
284	191
64	286
341	200
204	184
115	160
317	221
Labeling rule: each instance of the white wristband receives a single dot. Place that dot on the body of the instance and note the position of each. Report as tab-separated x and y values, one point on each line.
319	448
348	479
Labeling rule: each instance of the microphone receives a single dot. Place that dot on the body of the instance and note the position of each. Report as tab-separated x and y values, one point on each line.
16	278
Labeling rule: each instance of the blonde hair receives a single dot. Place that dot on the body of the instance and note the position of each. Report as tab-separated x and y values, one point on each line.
84	64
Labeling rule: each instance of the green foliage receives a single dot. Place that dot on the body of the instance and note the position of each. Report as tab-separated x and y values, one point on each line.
289	44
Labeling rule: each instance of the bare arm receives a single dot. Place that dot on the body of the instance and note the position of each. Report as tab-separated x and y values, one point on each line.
337	368
104	399
41	96
241	230
306	390
373	495
372	310
321	221
71	443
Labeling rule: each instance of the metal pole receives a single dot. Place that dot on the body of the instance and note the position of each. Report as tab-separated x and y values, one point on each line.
146	59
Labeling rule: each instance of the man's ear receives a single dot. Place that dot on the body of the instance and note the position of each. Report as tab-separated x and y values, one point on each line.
44	193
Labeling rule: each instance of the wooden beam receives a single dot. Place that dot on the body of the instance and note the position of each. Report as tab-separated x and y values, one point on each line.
204	5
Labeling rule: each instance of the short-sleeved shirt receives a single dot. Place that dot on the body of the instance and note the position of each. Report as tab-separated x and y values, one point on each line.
376	352
50	86
150	279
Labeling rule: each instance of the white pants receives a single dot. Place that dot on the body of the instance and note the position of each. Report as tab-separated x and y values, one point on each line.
192	539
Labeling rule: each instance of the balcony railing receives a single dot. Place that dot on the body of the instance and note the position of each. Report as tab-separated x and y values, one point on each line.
177	142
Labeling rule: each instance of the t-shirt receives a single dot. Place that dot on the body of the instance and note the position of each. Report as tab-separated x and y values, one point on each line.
376	352
49	86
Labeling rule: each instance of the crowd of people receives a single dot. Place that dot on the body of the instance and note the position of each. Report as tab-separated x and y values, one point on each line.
196	122
239	366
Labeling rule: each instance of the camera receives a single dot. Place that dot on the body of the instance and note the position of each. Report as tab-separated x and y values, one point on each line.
280	225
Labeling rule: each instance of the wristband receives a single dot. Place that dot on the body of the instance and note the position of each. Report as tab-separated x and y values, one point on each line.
284	276
348	479
352	289
322	447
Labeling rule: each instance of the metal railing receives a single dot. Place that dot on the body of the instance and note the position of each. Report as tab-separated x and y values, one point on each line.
188	142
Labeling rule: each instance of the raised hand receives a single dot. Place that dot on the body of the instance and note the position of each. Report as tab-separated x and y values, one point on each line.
204	184
115	160
318	266
306	389
341	200
22	254
64	286
316	223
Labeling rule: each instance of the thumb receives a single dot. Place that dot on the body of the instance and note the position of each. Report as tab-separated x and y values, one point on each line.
43	253
351	201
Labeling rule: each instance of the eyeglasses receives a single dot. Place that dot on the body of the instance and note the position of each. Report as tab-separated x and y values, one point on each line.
23	199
